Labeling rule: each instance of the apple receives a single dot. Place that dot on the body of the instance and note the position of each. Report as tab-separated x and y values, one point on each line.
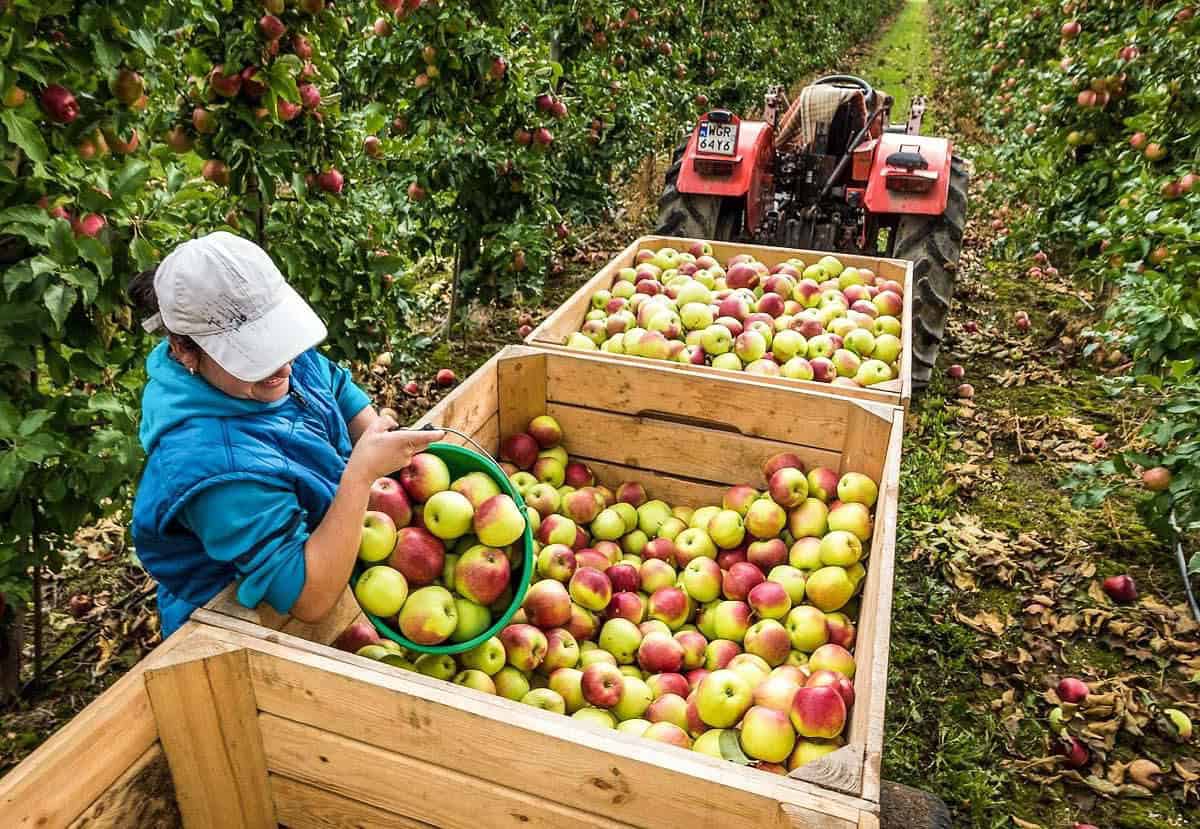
524	482
626	605
669	605
550	471
767	554
378	537
546	699
591	589
1074	752
556	561
872	372
670	708
488	657
547	604
588	557
634	543
656	574
629	515
807	628
788	487
476	487
519	449
740	579
810	518
621	638
840	548
669	733
777	691
429	616
792	580
841	629
723	697
651	516
694	645
805	554
388	496
818	712
568	684
822	483
473	620
437	665
382	591
829	588
662	684
1072	690
663	549
562	651
578	475
635	698
482	574
855	487
726	529
660	653
769	640
1180	723
770	600
608	525
546	431
852	517
623	577
766	734
739	498
448	515
353	638
1121	589
511	683
475	679
524	646
602	684
419	555
557	529
702	578
831	657
425	476
693	543
732	620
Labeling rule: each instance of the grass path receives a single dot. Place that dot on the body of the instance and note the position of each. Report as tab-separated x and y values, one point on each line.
998	575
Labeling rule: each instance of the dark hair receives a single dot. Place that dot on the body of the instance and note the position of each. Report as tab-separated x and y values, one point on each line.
145	300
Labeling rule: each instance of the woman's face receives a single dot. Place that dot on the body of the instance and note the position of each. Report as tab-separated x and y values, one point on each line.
270	390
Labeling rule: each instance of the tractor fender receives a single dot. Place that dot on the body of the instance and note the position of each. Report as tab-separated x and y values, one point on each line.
749	175
938	152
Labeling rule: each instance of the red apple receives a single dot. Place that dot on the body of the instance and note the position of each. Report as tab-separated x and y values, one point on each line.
388	496
419	555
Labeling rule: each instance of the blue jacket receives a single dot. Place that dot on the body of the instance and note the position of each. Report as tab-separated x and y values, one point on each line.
233	488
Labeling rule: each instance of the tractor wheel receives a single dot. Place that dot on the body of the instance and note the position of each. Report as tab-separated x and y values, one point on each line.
903	807
694	216
932	244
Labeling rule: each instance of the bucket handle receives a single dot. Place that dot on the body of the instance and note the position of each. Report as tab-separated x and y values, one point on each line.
429	427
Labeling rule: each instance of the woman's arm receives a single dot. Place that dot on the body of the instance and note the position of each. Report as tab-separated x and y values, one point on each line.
361	422
332	548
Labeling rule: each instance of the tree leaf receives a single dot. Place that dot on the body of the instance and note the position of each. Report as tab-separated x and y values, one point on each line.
131	179
731	748
25	134
60	299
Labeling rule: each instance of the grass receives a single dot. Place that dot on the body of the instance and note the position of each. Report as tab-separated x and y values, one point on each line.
901	62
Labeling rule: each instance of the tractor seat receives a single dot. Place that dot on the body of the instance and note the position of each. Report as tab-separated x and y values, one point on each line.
842	109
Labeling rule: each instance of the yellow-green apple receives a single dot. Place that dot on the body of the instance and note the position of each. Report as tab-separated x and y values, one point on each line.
767	734
770	600
591	657
608	525
788	344
660	653
623	577
663	684
739	498
806	751
633	671
769	640
797	368
473	619
693	543
547	604
656	574
716	340
629	514
885	324
381	590
524	646
568	684
549	471
634	543
694	645
653	626
846	361
482	574
358	635
591	588
651	516
810	519
476	487
829	588
578	475
670	708
591	557
749	346
562	651
669	733
543	498
719	653
488	657
637	727
805	554
872	372
834	680
723	697
626	605
889	303
557	529
840	548
702	579
388	496
520	449
425	476
671	528
606	495
635	698
807	628
751	666
788	487
378	534
523	482
852	517
669	605
700	518
732	620
448	515
1181	724
818	712
767	554
437	665
583	623
795	668
556	561
726	529
602	684
706	618
475	679
765	519
660	548
822	483
887	347
498	521
854	487
832	657
595	717
777	692
631	493
419	555
376	652
429	616
545	699
511	683
820	347
621	638
546	431
739	580
792	580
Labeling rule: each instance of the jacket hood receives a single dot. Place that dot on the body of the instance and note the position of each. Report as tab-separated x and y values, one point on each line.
173	396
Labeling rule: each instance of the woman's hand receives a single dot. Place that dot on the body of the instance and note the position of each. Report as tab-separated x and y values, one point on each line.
382	449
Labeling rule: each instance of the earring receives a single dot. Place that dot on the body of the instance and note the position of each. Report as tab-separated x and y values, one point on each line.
192	370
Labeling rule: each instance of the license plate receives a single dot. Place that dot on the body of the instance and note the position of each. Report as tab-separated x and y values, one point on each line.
717	139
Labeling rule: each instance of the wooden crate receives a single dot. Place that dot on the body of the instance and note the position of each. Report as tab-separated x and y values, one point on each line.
262	723
569	317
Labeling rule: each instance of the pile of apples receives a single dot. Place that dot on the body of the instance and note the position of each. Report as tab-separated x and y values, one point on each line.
441	555
824	322
721	629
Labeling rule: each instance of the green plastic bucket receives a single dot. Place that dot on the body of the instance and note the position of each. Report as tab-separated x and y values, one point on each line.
461	461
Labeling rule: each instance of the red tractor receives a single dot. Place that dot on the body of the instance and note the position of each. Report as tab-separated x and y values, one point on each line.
830	173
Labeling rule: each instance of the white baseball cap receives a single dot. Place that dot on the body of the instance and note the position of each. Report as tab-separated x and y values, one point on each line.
225	293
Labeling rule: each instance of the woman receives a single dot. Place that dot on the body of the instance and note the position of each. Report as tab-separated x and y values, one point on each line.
260	451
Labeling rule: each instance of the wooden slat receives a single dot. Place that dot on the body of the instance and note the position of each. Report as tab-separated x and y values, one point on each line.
143	796
753	408
521	384
678	492
657	445
413	788
868	820
839	770
906	327
568	317
301	806
67	774
345	613
866	440
424	718
469	406
208	725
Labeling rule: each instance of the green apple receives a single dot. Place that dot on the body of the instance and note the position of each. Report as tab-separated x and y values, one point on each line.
567	683
437	665
382	590
475	679
635	699
430	616
473	619
511	683
621	638
597	717
651	516
792	580
448	514
637	727
378	536
807	628
716	340
498	521
767	734
722	698
488	657
608	525
840	548
545	699
726	529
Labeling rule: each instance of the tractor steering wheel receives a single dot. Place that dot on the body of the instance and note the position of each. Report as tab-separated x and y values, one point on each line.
850	80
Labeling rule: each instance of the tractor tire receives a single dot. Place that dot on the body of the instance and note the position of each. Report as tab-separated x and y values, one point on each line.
932	244
903	807
694	216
